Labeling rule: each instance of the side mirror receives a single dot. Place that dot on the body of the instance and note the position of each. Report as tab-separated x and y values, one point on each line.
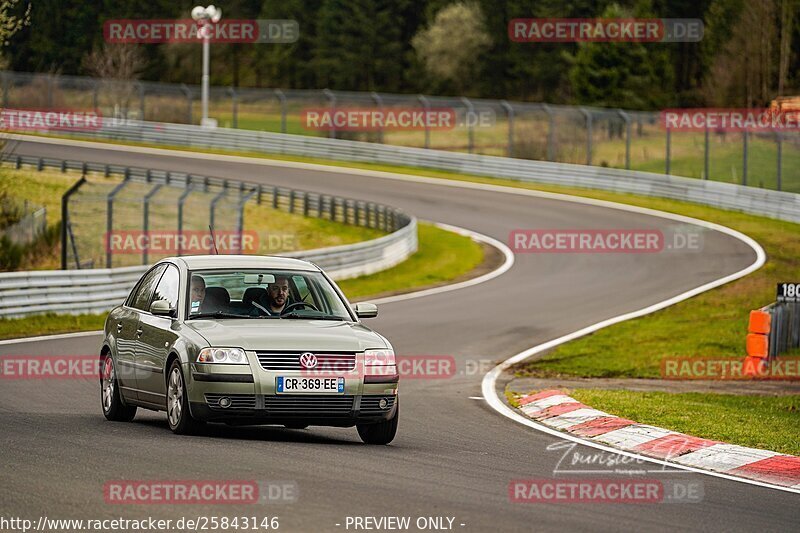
366	310
162	308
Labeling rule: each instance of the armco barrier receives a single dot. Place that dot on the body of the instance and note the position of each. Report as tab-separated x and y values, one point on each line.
773	204
97	290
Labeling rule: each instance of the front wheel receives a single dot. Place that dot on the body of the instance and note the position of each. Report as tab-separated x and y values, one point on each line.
113	408
178	415
382	432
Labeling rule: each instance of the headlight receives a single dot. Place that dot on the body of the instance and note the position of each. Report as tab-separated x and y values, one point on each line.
379	363
379	357
231	356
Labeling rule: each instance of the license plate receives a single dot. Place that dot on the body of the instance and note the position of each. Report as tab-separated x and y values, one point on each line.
293	385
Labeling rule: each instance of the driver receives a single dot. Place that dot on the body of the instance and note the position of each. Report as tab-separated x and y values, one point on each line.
277	296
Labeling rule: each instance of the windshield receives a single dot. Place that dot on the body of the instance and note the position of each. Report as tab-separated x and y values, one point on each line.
263	293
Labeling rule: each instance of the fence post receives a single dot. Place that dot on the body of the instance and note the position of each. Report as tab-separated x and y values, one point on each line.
706	155
379	102
551	132
240	217
470	130
110	214
282	99
65	218
589	126
510	117
332	101
5	89
427	106
216	199
745	136
146	221
669	147
627	118
188	93
235	106
140	88
779	142
181	201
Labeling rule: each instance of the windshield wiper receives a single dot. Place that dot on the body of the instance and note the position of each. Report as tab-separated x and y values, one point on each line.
312	317
217	314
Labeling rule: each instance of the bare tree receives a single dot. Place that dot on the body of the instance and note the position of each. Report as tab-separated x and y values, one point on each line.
118	66
450	47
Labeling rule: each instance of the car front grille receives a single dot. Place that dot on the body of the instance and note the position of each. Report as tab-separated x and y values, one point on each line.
370	405
238	401
299	405
326	362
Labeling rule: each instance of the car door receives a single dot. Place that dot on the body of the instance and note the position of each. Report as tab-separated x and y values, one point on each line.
127	328
157	337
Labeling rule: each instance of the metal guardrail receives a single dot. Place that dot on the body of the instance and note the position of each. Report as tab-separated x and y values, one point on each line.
784	333
97	290
770	203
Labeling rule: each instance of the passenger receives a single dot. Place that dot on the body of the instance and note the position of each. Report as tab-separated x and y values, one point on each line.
197	293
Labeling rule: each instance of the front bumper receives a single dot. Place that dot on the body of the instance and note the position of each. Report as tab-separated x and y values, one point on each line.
246	395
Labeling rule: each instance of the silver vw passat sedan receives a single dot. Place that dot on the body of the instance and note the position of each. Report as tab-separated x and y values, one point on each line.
247	340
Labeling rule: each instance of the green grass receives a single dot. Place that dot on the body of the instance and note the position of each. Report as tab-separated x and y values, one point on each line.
767	422
50	324
442	256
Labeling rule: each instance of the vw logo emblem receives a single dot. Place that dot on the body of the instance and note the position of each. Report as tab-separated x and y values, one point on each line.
308	360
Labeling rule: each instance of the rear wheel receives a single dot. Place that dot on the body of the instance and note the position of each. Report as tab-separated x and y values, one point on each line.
382	432
178	415
113	408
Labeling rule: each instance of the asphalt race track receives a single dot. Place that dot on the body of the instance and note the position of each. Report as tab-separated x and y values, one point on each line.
454	456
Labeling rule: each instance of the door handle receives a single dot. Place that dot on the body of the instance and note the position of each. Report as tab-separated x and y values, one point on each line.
119	327
139	332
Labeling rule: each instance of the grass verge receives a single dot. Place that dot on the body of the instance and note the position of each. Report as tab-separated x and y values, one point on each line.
767	422
442	256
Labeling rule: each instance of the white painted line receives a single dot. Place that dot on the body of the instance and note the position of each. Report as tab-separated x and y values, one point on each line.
724	457
23	340
632	436
508	262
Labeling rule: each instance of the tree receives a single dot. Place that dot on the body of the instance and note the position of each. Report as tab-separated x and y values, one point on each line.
451	47
631	75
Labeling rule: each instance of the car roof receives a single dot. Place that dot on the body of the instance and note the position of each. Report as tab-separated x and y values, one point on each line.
201	262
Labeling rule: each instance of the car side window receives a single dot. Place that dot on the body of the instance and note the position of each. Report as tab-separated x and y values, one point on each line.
144	293
167	288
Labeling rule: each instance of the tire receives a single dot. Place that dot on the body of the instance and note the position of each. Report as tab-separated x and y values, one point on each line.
178	416
382	432
110	400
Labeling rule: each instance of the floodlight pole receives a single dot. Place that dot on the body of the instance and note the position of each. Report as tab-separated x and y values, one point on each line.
205	17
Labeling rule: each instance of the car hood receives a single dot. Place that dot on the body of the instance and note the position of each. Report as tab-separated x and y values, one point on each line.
294	334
